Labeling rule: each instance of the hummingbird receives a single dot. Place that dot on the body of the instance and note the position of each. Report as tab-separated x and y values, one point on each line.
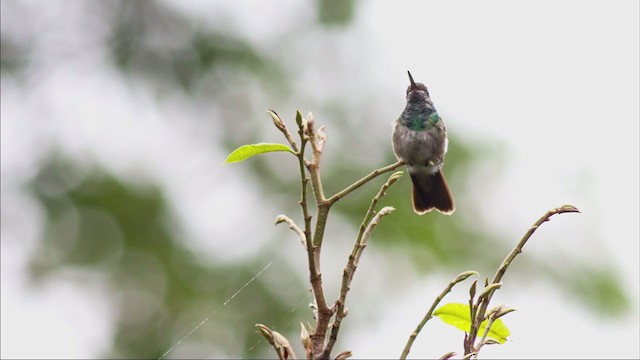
420	141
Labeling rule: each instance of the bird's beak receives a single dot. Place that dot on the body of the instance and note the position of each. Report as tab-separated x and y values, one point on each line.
413	83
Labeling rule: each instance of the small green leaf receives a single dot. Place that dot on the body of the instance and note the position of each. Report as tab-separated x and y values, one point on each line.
246	151
457	315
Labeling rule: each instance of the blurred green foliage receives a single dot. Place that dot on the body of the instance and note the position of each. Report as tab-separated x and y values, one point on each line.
336	12
160	288
188	53
14	56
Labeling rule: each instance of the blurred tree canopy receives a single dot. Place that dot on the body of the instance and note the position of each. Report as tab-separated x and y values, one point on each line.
124	233
121	234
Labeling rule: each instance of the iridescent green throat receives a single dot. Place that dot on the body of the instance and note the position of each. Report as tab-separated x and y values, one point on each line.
421	122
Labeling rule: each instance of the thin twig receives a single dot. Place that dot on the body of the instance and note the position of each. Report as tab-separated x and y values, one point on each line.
354	260
364	180
314	268
293	226
518	249
429	314
350	268
372	207
277	121
473	308
486	333
494	315
306	134
483	302
304	179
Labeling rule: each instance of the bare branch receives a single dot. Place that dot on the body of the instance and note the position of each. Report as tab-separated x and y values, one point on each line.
518	249
352	263
483	302
349	271
292	225
314	245
277	121
486	333
461	277
364	180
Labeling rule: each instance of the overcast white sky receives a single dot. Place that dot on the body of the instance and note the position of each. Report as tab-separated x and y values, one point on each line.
556	82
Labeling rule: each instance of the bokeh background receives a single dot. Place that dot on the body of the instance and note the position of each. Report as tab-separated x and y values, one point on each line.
124	236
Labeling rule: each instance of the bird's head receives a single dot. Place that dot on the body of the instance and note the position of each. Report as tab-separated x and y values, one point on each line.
417	92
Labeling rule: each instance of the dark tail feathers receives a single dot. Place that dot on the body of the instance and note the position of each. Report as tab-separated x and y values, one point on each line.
430	191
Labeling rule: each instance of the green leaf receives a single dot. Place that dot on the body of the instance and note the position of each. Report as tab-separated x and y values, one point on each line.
246	151
457	315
